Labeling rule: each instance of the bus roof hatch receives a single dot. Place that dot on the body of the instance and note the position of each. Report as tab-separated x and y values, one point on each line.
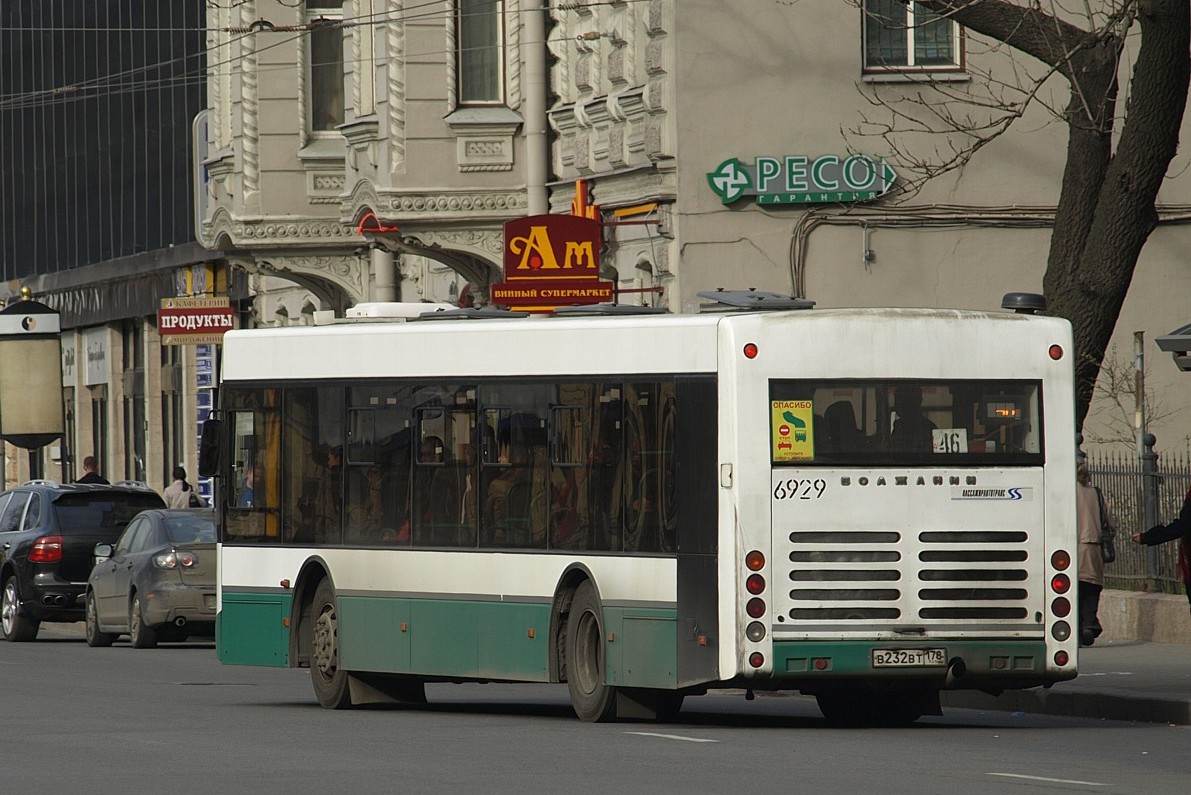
751	300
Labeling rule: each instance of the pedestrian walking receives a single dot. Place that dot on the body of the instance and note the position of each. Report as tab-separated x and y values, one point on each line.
1180	528
1092	515
181	494
90	475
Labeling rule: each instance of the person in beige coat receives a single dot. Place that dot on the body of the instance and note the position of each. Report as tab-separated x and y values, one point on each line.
1090	508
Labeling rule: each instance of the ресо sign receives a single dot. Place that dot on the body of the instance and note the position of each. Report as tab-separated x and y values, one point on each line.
194	321
798	179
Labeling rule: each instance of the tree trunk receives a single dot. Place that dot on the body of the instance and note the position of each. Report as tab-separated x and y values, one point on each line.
1091	294
1106	207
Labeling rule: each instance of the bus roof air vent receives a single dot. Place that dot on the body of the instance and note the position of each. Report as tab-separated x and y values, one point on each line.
608	310
1024	303
471	313
387	310
751	300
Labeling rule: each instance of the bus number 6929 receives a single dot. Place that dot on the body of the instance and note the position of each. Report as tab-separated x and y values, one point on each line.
798	489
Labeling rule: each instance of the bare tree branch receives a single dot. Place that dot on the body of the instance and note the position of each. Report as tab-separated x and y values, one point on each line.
1106	207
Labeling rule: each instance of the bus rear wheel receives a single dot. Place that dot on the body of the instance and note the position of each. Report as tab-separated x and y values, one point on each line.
329	679
592	698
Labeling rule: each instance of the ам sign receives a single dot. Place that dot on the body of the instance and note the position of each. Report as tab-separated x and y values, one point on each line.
798	179
551	261
194	321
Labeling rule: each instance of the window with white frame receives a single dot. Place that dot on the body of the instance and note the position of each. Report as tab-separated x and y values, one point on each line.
480	35
903	36
325	52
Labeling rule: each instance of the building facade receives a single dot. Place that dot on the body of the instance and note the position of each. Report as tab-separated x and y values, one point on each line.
97	103
372	149
359	150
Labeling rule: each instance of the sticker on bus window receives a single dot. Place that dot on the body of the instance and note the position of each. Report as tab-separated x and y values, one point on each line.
949	440
793	429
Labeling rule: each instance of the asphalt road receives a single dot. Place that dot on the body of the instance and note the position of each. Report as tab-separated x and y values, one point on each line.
173	720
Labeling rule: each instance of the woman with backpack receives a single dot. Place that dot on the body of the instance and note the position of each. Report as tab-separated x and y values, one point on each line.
180	494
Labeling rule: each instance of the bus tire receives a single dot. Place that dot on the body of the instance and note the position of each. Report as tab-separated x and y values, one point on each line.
592	698
329	679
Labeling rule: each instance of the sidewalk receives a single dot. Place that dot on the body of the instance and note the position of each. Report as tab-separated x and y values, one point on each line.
1126	676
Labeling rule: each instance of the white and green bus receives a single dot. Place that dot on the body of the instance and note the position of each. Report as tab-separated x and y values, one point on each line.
865	505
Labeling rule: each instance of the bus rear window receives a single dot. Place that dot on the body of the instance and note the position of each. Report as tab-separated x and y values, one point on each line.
906	422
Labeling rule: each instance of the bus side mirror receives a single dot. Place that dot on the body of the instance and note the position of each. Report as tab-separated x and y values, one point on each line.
211	449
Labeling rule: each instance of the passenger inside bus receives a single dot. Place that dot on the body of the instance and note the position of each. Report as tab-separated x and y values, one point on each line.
839	430
322	509
912	430
507	502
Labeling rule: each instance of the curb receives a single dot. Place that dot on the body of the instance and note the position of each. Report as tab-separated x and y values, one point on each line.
1103	704
1137	615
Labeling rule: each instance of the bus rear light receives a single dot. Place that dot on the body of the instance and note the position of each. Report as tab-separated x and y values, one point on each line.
1062	658
756	659
755	584
1056	352
750	350
821	663
1061	607
755	560
755	608
1061	630
1061	559
755	631
1060	583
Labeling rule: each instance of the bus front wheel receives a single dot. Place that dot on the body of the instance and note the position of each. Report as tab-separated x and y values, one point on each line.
330	680
592	698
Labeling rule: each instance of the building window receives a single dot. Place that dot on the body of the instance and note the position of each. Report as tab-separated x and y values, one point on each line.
480	33
901	36
326	64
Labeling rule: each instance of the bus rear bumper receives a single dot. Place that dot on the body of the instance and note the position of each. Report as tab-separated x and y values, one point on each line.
989	665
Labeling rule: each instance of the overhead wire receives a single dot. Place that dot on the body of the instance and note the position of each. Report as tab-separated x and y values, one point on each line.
88	89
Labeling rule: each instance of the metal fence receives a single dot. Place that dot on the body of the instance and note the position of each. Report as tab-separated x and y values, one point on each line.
1123	482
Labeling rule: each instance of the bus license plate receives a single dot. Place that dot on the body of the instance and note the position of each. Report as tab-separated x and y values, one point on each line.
909	658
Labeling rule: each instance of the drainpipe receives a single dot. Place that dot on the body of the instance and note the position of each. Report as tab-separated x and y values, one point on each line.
536	150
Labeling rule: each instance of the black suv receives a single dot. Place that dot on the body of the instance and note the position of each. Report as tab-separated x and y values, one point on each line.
48	533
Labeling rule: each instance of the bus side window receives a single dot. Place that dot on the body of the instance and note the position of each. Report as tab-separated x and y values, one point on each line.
643	465
255	445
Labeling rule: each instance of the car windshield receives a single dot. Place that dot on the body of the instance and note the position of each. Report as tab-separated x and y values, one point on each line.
190	529
89	513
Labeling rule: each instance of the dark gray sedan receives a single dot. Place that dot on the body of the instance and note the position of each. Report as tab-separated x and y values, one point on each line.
157	583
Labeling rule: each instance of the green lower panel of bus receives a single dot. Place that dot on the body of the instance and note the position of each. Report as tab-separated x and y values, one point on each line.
250	629
983	659
452	638
641	648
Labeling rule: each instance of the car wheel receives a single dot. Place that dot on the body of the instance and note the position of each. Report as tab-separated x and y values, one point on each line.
15	627
591	697
330	680
95	637
140	634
